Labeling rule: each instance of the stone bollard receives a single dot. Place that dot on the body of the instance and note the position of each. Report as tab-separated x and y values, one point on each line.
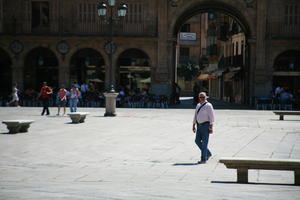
110	104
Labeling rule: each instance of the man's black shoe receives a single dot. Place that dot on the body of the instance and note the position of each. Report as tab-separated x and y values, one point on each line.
209	156
201	161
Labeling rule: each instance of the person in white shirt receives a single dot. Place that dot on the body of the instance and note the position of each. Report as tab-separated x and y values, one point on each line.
204	118
15	97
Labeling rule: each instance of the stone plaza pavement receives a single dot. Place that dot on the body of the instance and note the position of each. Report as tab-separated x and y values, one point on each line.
143	154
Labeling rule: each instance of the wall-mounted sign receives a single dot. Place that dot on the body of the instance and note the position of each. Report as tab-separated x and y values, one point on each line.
188	36
16	47
110	47
63	47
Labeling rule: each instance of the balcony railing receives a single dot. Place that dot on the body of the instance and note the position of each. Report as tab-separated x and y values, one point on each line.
75	27
281	30
234	61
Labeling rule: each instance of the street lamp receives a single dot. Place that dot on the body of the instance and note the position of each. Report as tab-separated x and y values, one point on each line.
110	47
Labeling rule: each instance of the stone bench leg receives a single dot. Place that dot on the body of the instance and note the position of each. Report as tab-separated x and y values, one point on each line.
13	128
297	177
75	118
281	117
24	128
82	118
242	175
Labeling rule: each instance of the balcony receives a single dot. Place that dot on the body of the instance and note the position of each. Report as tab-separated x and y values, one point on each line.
234	61
279	30
68	27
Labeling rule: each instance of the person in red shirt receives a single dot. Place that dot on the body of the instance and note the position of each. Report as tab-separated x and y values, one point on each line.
45	93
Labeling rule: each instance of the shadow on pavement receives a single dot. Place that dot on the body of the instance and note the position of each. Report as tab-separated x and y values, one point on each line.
185	164
251	183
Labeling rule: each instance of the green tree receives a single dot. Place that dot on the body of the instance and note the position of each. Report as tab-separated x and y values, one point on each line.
188	70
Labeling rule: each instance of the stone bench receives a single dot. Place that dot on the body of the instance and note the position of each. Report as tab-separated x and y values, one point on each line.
78	117
16	126
244	164
282	113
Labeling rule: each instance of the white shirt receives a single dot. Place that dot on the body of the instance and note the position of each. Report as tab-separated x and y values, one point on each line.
205	114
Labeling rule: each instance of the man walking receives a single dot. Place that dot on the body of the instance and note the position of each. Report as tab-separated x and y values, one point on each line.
45	93
204	118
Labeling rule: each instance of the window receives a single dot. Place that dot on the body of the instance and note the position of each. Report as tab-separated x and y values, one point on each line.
40	15
87	12
1	10
184	51
185	28
184	55
291	14
134	13
211	16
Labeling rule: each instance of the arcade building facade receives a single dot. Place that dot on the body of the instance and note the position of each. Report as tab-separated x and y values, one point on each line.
63	42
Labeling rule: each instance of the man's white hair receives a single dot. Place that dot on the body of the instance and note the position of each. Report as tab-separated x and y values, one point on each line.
203	93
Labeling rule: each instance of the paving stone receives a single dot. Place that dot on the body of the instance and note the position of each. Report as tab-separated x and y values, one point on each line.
143	154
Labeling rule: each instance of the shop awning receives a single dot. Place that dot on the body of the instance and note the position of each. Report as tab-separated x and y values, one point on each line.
206	77
218	72
229	76
147	80
203	77
212	77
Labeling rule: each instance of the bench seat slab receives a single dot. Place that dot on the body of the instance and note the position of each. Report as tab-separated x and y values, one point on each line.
244	164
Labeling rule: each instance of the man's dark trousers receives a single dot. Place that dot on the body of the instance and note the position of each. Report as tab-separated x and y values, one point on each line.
202	137
45	102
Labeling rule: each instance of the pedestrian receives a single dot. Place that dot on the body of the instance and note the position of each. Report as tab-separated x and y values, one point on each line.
44	95
177	93
84	88
74	96
61	99
278	91
203	118
15	97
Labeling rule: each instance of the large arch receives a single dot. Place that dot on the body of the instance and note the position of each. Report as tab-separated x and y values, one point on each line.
196	7
241	89
133	71
5	75
41	65
87	66
286	73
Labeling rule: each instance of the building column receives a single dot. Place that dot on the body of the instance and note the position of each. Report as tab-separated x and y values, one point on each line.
262	82
113	72
17	69
161	84
250	72
64	73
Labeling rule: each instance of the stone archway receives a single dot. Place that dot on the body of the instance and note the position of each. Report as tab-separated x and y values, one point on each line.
41	65
286	73
196	7
87	66
133	71
5	75
240	91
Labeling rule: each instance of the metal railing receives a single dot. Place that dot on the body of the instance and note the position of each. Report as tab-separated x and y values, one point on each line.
282	30
66	27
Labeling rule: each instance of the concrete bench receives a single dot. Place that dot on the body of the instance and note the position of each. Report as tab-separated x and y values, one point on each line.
78	117
243	164
282	113
16	126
